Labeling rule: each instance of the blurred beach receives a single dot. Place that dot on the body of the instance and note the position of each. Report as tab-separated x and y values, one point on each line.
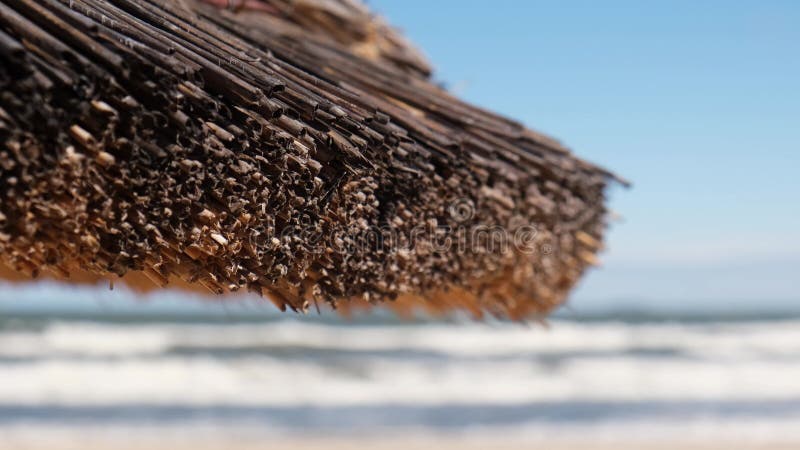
166	375
688	338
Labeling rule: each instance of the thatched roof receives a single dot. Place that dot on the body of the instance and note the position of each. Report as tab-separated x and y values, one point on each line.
295	148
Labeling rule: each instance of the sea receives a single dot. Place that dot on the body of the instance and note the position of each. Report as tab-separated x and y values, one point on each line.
85	359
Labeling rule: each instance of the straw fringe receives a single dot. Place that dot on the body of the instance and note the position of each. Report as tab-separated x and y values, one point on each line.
298	150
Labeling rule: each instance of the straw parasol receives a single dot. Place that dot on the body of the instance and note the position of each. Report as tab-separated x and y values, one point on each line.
293	148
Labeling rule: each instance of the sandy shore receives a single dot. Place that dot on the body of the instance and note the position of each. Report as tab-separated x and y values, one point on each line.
437	445
137	442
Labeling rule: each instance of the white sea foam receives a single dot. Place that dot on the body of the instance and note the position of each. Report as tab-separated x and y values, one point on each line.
290	363
750	339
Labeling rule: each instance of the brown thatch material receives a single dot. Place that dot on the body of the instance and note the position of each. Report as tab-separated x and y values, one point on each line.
296	149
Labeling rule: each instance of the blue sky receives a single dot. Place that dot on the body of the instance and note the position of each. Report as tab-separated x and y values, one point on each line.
696	102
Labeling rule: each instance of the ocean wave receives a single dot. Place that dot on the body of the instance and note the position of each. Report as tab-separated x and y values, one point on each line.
291	362
256	380
712	340
572	425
